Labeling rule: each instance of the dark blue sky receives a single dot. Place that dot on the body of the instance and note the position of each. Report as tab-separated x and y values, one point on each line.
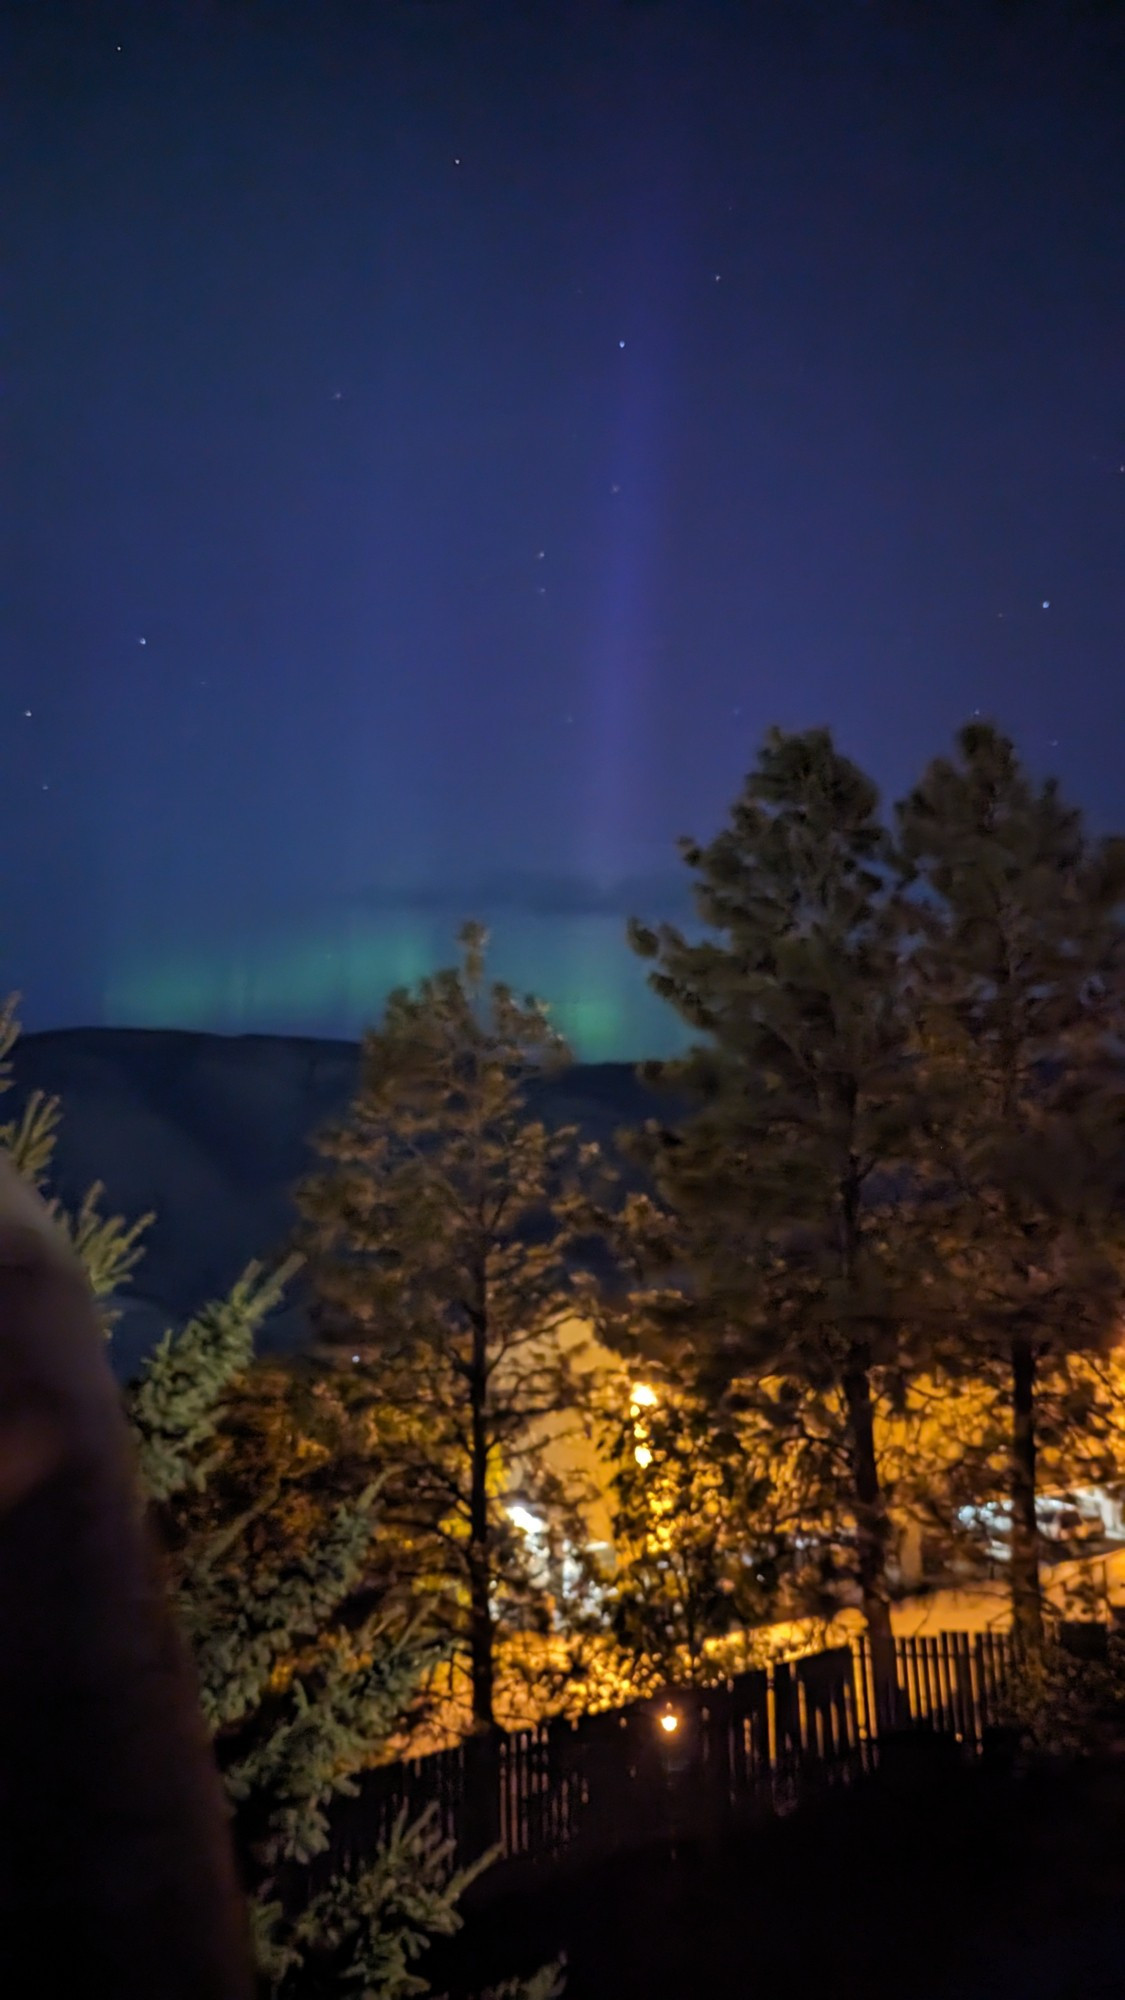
439	438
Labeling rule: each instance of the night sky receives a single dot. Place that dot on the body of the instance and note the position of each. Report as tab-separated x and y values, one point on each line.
438	440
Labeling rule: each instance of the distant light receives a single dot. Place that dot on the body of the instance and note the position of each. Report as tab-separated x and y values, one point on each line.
644	1396
27	713
1046	604
142	642
669	1722
643	1456
355	1357
621	343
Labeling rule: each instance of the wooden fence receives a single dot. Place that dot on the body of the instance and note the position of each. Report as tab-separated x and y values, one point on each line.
691	1763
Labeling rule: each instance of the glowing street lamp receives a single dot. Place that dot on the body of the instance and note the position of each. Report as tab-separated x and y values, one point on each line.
669	1722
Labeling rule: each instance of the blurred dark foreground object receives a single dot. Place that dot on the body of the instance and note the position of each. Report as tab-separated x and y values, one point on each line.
117	1874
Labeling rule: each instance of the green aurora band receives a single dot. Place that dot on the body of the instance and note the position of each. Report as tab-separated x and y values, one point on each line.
335	981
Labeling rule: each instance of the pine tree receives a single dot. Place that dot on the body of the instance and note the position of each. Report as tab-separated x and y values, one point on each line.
308	1655
802	1276
440	1239
1018	988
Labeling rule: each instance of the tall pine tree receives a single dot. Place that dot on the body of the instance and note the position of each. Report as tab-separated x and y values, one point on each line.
1018	986
802	1274
440	1239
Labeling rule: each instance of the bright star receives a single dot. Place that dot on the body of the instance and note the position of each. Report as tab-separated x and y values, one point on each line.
142	642
621	343
1046	604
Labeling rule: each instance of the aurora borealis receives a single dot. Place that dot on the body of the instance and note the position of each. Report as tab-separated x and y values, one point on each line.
337	969
440	437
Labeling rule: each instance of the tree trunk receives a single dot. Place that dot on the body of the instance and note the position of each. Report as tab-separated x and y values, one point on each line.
480	1567
872	1534
1027	1600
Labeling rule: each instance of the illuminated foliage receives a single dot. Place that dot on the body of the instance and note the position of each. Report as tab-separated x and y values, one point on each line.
698	1547
440	1238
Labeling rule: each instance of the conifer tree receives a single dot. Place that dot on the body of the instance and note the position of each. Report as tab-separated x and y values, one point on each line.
440	1239
801	1113
1018	989
309	1656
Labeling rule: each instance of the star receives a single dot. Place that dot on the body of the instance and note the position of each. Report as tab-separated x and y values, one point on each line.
541	554
27	714
337	395
142	642
621	343
718	277
615	489
1046	604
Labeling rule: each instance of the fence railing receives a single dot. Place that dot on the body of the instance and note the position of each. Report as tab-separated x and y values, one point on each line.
690	1763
